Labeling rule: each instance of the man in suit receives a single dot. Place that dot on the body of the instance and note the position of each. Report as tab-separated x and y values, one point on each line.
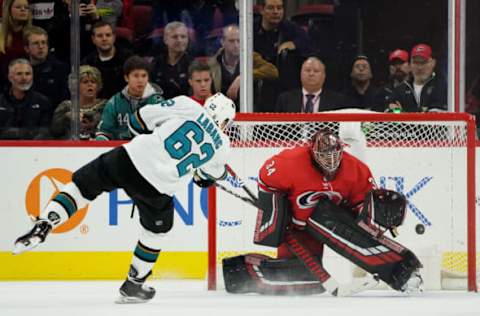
312	97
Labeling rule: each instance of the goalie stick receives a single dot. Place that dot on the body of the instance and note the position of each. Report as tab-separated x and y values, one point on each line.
331	285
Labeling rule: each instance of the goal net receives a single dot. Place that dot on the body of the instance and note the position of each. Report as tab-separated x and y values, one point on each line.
430	158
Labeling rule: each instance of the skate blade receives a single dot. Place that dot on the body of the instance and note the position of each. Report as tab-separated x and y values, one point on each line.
22	247
129	300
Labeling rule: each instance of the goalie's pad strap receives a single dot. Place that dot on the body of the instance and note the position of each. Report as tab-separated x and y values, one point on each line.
262	274
305	256
362	244
272	219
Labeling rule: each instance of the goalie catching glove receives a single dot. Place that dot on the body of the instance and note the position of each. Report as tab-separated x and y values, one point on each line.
385	208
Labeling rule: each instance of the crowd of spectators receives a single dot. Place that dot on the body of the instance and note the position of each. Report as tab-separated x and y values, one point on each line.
184	48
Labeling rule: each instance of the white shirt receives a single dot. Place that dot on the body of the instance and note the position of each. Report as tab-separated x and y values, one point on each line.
184	139
418	92
316	100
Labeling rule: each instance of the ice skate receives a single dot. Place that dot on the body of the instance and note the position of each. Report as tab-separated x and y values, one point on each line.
414	285
135	292
34	237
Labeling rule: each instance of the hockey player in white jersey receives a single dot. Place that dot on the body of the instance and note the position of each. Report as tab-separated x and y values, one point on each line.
176	139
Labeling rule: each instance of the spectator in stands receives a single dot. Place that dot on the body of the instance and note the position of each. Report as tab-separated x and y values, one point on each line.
108	58
24	113
110	11
136	94
281	43
273	34
200	81
473	102
361	91
225	64
262	69
53	17
88	16
90	105
426	91
170	70
399	71
312	97
49	74
16	16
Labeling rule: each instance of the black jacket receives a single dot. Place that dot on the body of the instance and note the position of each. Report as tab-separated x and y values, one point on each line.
433	96
28	118
267	42
292	101
111	70
50	78
172	79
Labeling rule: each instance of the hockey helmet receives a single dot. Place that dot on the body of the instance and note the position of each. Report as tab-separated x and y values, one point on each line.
221	109
327	150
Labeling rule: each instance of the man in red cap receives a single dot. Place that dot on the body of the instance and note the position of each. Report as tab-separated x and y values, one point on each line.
399	71
425	92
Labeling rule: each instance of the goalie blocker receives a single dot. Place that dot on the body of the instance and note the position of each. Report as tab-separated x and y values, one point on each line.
355	238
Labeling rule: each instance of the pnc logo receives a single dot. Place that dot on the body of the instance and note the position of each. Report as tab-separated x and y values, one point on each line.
43	188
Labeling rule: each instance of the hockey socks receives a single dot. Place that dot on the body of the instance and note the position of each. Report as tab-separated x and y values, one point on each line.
64	205
145	255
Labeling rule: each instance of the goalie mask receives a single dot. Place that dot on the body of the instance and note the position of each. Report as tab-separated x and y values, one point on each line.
221	109
327	150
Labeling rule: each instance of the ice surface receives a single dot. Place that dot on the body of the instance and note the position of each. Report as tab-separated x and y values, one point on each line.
92	298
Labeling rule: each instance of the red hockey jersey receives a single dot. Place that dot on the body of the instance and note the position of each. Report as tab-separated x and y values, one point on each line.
292	171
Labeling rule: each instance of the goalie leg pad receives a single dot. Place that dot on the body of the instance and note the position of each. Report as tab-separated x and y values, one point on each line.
255	273
362	244
272	219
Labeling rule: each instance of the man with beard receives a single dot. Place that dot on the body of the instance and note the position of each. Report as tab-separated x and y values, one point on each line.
399	71
426	92
107	58
24	113
361	91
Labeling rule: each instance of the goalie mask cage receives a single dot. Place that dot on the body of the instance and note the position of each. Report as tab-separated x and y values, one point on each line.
429	157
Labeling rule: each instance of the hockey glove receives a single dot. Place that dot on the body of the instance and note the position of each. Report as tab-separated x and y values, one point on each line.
201	182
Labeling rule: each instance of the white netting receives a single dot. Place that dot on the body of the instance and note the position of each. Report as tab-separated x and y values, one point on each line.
394	134
425	159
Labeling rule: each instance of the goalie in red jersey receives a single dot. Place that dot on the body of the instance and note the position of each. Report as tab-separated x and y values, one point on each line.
317	195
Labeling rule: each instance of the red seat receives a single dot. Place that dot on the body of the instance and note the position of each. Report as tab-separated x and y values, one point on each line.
142	19
326	9
125	33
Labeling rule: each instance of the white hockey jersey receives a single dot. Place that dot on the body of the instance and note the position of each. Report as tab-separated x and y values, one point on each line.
182	138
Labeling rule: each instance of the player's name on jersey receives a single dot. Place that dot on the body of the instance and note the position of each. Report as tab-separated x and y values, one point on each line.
210	127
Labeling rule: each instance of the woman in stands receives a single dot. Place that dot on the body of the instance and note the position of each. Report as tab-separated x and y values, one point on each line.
90	107
16	16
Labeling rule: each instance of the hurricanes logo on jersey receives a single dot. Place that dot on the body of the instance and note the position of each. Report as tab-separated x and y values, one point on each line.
43	188
310	198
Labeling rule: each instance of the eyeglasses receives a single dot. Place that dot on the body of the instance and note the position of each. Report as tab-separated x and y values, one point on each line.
39	43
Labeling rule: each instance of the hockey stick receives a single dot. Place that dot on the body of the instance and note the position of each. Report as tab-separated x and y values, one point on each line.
239	180
241	197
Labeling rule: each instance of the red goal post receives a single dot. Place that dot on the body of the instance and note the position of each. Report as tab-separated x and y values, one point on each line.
435	151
